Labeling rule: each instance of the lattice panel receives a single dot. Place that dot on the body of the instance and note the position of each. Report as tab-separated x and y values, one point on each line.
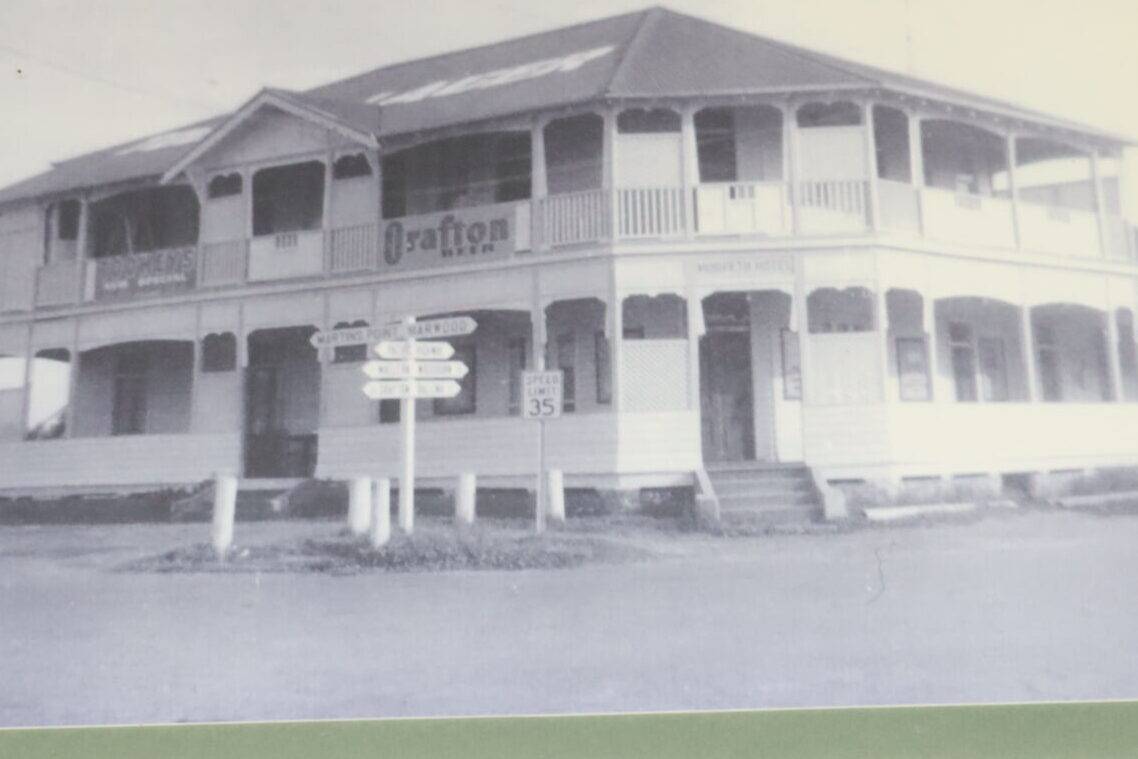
654	375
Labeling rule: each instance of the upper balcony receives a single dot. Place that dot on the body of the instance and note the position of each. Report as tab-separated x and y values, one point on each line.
811	170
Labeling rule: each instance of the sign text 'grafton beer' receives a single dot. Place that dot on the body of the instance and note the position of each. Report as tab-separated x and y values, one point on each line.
155	271
451	238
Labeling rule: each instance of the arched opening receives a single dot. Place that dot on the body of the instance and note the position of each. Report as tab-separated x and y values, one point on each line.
49	394
288	198
963	158
147	219
649	146
134	388
577	344
457	172
282	403
980	349
739	144
574	148
750	378
1071	353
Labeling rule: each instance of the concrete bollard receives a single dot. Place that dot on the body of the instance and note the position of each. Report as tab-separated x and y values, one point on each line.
555	494
359	505
224	512
464	498
381	513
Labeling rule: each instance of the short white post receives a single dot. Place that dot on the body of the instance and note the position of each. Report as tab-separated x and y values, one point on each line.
464	498
224	512
359	505
381	513
555	494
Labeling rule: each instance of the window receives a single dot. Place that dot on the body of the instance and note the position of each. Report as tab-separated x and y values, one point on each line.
464	402
993	369
963	360
224	185
647	121
346	354
129	412
351	166
603	367
516	350
288	198
219	352
566	362
1050	378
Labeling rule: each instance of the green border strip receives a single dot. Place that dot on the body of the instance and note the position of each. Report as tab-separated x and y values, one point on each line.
1034	731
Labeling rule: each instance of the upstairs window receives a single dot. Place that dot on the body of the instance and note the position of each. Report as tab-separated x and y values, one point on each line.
224	185
351	166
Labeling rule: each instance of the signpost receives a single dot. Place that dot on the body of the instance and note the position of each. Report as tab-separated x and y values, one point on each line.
542	398
407	369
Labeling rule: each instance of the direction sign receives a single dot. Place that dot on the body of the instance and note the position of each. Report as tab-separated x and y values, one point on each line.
451	326
542	394
388	389
416	369
428	350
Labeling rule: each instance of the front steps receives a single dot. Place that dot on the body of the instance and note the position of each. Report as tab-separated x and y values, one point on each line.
751	491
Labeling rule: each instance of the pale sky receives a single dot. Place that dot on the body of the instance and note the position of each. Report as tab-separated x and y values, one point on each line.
76	75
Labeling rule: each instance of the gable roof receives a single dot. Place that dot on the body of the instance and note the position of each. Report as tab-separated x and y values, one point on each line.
356	121
645	54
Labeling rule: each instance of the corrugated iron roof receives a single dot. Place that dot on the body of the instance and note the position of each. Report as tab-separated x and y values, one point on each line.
649	53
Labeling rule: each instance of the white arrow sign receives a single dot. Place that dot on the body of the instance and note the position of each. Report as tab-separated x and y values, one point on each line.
388	389
418	369
389	349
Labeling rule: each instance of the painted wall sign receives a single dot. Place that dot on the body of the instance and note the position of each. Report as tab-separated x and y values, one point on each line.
156	271
496	78
452	238
761	263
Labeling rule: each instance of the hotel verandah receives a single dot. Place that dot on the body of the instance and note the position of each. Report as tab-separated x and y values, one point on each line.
742	255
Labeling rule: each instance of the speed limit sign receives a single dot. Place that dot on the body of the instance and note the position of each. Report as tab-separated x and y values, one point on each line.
541	395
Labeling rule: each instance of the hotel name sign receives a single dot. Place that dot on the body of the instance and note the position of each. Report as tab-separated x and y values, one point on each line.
455	237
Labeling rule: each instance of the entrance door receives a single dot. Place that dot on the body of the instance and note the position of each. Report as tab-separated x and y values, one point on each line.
261	436
726	396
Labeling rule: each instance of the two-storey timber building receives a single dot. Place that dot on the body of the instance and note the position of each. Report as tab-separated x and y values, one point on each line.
736	250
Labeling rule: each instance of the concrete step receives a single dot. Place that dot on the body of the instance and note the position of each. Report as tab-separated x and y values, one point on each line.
767	517
769	475
778	487
763	500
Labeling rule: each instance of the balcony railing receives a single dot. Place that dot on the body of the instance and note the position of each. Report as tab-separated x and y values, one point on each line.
758	209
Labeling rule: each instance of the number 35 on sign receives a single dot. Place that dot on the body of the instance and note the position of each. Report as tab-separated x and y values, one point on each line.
541	395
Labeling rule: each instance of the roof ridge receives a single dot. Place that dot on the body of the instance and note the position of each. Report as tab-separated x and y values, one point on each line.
647	15
803	53
484	46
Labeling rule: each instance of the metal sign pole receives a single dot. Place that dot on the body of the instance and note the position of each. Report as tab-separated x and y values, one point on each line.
407	420
539	491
